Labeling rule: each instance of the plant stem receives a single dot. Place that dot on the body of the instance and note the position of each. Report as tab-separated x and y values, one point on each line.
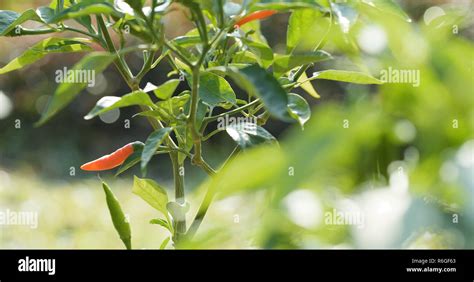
197	158
207	137
133	83
119	62
180	223
93	36
178	53
27	31
234	111
180	198
206	202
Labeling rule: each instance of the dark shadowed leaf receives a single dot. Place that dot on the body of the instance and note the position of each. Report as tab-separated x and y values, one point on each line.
299	108
248	135
151	145
260	83
10	19
132	160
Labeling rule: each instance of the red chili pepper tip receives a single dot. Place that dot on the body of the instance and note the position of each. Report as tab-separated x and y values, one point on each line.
255	16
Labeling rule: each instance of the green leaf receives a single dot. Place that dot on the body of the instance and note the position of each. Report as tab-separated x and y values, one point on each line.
86	22
45	13
85	8
109	103
284	63
10	19
172	107
262	51
215	90
165	243
346	76
166	90
253	32
152	193
161	222
151	145
248	135
262	84
201	113
119	219
43	48
279	5
187	41
132	160
307	86
299	108
307	29
66	92
387	6
245	57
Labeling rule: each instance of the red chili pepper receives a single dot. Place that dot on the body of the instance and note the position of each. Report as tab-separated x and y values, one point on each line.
113	160
255	16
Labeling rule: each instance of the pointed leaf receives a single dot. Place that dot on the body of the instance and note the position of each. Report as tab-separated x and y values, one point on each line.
307	29
151	145
10	19
43	48
165	243
162	222
152	193
307	86
85	8
279	5
66	92
299	108
260	83
166	90
248	135
346	76
109	103
132	160
284	63
215	90
45	13
262	51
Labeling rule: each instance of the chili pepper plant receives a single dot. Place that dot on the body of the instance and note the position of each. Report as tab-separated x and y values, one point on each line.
225	50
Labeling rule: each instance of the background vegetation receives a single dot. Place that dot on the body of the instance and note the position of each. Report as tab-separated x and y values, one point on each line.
405	161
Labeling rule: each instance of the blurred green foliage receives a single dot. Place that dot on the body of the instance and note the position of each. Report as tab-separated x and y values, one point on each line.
402	156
